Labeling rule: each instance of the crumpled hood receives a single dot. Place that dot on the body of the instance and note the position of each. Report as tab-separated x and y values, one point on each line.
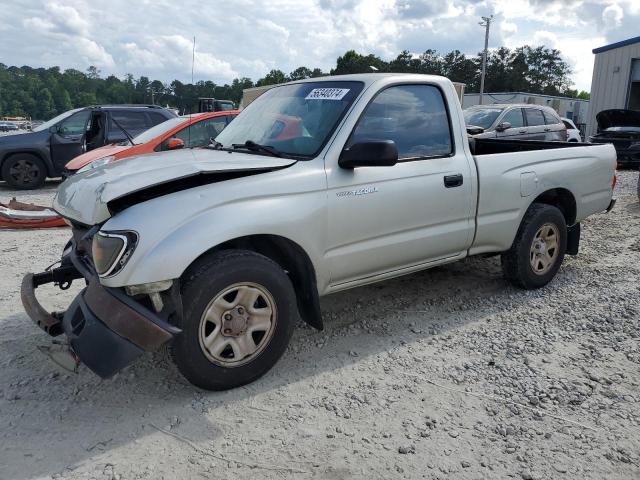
617	118
84	196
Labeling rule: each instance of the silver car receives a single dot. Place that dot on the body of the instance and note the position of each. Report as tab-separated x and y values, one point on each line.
515	121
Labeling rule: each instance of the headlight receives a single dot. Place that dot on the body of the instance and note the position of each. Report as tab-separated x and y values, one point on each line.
111	251
97	163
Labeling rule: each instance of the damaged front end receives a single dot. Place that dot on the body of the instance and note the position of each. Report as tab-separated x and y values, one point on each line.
107	328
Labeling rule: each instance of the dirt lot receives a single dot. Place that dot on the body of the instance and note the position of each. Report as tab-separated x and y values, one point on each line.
449	373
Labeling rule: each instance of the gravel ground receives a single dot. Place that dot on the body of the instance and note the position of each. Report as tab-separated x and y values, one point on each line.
448	373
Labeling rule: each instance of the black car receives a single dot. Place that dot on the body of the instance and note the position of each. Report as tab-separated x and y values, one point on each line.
26	160
622	129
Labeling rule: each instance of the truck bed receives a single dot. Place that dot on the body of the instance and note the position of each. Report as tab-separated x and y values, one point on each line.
487	146
509	183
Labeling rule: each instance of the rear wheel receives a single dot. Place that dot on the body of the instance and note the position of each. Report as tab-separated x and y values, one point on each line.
238	318
538	249
24	171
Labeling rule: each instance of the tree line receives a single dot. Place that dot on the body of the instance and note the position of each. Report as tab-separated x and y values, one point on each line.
41	93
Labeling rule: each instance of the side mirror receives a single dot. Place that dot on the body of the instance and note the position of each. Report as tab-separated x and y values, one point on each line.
174	143
373	153
53	129
503	126
473	130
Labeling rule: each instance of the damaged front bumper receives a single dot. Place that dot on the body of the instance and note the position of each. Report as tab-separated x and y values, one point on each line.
106	328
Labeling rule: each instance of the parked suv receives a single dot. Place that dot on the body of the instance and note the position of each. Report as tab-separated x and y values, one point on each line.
515	121
27	160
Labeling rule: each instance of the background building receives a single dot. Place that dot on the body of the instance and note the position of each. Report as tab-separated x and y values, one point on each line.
616	79
572	108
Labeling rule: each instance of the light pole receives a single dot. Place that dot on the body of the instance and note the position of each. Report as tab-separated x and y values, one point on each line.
486	22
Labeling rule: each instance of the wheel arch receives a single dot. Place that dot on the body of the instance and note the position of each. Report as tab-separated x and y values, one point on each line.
294	261
562	199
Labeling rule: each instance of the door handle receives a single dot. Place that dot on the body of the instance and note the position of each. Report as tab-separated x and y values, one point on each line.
522	131
451	181
547	129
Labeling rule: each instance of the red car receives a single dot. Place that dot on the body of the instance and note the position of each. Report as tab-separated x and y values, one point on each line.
188	131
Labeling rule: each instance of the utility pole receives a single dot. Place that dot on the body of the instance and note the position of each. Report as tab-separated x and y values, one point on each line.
486	22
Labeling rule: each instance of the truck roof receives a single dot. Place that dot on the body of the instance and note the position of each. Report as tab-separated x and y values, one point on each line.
370	78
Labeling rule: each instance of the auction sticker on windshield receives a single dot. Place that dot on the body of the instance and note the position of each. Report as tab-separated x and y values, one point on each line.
327	94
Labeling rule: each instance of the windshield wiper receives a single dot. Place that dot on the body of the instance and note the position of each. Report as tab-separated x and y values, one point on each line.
215	145
256	147
126	134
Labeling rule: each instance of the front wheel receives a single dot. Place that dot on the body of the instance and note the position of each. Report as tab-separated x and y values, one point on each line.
538	249
239	314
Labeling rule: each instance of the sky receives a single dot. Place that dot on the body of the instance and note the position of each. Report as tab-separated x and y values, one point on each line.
250	37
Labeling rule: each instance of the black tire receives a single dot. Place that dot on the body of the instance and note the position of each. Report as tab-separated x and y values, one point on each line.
24	171
517	262
206	281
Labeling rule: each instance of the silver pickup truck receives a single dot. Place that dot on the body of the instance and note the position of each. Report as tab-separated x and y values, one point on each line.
317	186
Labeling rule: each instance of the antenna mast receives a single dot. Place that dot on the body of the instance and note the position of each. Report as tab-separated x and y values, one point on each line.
193	61
486	22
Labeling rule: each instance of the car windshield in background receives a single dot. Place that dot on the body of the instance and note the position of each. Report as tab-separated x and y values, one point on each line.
481	117
54	120
159	129
295	119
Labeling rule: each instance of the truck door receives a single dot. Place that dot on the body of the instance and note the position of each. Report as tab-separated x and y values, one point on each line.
383	219
67	137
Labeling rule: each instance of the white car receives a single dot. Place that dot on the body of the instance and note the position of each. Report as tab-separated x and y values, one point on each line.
573	133
317	186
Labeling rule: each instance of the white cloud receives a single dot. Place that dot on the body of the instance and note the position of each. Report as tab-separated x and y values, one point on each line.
508	28
67	18
175	52
250	37
64	27
612	16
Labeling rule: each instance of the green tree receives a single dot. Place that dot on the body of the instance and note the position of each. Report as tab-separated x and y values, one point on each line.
272	78
353	62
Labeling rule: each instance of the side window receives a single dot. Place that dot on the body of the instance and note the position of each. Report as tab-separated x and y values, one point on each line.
156	118
534	117
514	117
550	118
413	116
133	122
76	124
201	133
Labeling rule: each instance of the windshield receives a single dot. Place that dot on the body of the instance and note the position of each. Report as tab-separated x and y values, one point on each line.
159	129
295	119
481	117
54	120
